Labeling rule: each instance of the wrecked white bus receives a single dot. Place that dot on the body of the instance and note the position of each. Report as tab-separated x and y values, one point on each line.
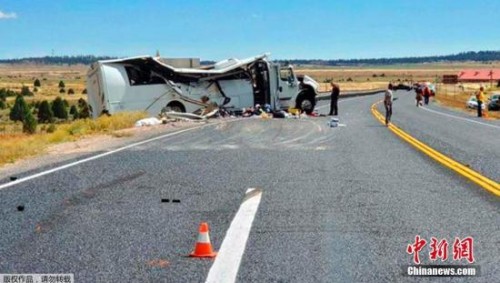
147	84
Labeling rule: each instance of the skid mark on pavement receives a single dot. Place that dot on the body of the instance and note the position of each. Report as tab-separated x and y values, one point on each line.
81	198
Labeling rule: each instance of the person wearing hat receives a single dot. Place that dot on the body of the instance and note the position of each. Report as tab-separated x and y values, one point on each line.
334	100
480	99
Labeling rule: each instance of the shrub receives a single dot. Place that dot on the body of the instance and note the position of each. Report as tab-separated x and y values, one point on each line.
84	109
74	112
59	109
2	105
61	84
62	90
17	111
35	89
37	83
84	91
25	91
71	91
52	128
29	122
81	102
45	113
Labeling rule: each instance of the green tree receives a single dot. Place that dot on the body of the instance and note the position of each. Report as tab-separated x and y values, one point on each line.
71	91
2	105
17	111
29	122
74	112
61	84
59	109
84	91
84	109
37	83
62	90
45	113
81	102
25	91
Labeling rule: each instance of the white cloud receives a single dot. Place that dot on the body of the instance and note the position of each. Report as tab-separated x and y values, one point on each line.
6	16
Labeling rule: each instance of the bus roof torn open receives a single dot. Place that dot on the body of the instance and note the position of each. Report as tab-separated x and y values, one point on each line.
145	83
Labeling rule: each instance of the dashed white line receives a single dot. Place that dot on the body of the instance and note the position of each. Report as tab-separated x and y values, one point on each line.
226	265
460	118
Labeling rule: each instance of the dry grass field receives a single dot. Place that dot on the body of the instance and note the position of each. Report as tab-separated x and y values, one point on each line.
15	76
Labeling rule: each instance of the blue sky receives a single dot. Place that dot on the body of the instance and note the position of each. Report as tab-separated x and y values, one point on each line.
222	29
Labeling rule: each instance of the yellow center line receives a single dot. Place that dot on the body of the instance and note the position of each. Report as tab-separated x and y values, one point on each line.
486	183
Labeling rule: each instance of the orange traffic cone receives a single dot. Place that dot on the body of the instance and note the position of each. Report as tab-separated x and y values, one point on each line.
203	247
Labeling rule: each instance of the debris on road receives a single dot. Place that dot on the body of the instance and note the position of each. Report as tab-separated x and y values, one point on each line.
148	122
333	123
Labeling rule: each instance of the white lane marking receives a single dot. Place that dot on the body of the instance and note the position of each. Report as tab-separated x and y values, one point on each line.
460	118
227	262
43	173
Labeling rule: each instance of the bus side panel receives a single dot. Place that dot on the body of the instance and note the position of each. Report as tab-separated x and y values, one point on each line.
240	92
94	98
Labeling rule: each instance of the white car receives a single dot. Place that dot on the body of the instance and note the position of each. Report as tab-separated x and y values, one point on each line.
472	103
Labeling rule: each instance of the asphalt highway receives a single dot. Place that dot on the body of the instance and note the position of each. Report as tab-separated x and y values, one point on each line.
338	204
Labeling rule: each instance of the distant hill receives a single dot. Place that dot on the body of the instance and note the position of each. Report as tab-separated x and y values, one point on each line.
481	56
57	60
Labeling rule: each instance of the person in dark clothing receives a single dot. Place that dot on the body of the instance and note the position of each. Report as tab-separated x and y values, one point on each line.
388	98
334	100
427	94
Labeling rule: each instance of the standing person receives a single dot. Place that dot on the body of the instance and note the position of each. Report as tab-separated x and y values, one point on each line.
388	98
334	100
418	96
480	99
427	94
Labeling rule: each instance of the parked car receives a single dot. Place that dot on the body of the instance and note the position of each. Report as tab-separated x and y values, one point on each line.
402	86
494	103
472	103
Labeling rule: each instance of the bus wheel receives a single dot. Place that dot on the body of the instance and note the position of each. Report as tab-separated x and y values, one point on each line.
175	107
305	103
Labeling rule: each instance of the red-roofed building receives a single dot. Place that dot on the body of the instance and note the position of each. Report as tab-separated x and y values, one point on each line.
480	75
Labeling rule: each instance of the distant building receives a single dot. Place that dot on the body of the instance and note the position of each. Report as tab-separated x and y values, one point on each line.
479	75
